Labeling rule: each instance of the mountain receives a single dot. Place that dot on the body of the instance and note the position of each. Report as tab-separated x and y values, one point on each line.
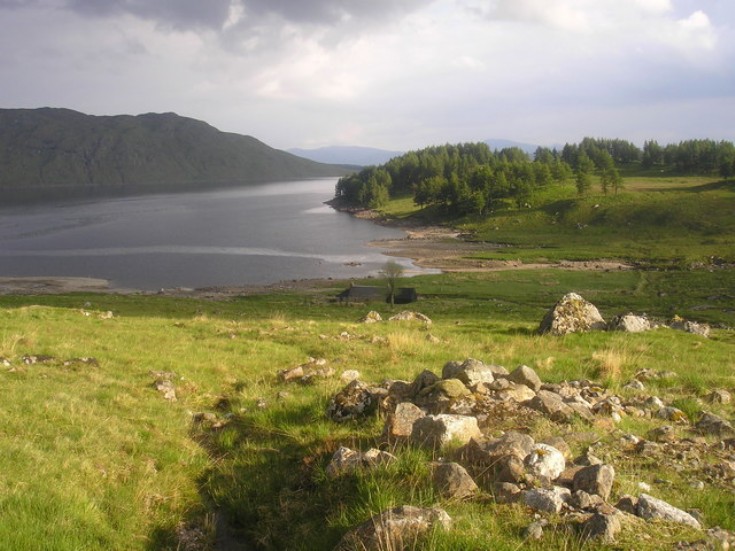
59	152
347	155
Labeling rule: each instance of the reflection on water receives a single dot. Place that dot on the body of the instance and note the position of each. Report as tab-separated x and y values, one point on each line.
250	235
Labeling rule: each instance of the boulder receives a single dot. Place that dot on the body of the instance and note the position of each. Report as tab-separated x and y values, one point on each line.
572	314
437	430
709	423
524	375
354	401
408	315
650	507
371	317
595	479
545	462
630	323
546	500
397	528
453	481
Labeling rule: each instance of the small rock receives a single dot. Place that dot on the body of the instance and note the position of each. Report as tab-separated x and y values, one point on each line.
453	481
535	530
719	396
628	504
582	500
546	500
630	323
166	387
670	413
437	430
524	375
292	374
470	372
354	401
634	384
551	404
349	375
596	479
545	462
710	423
371	317
506	492
346	460
432	339
400	423
650	507
693	327
408	315
396	528
601	527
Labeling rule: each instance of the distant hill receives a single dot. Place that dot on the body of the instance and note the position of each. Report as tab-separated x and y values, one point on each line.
59	152
347	155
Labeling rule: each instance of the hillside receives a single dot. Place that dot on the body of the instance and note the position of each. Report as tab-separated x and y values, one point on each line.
58	152
347	155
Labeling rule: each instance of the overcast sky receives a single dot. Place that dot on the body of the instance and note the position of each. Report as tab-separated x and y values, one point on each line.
394	74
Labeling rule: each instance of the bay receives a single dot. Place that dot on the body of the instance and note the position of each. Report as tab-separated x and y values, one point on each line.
227	237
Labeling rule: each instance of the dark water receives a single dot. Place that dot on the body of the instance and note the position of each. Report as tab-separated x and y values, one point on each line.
250	235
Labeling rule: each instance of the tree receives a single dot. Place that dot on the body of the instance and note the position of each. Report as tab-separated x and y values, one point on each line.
392	272
583	176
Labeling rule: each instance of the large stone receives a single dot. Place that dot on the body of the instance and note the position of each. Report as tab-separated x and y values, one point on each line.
650	507
545	462
408	315
437	430
453	481
596	479
470	372
546	500
572	314
630	323
354	401
397	528
524	375
399	425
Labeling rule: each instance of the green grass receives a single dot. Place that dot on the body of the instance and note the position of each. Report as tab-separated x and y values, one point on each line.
92	457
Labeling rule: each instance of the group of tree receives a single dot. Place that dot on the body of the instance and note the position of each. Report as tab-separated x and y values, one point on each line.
471	178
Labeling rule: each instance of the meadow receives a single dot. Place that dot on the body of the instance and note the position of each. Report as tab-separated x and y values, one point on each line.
93	456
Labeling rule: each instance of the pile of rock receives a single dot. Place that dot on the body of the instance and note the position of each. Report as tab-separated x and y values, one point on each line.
574	314
462	408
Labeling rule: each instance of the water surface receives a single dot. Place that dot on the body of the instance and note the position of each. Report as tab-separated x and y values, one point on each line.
237	236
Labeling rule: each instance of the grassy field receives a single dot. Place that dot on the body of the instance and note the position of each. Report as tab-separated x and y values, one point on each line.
93	456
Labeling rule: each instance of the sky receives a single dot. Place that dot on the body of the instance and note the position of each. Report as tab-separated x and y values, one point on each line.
392	74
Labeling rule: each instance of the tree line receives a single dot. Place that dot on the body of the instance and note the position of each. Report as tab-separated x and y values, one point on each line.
471	178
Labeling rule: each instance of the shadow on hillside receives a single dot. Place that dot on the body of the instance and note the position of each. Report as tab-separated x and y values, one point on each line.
710	186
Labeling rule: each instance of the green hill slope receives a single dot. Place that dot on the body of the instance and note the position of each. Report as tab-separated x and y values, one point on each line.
58	151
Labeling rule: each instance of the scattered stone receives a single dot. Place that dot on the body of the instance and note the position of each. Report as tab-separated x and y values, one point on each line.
354	401
535	530
604	528
470	372
349	375
423	380
81	361
442	395
346	460
453	481
630	323
551	404
397	528
166	387
650	507
693	327
400	423
596	479
719	396
371	317
635	384
628	504
408	315
546	500
106	315
437	430
37	359
572	314
582	500
293	374
710	423
516	392
653	403
524	375
670	413
506	492
545	462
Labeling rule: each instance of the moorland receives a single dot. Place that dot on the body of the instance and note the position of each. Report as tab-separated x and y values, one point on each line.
96	453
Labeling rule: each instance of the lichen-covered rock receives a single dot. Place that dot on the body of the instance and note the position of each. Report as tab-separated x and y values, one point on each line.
437	430
630	323
443	395
397	528
595	479
470	372
545	462
453	481
650	507
371	317
524	375
354	401
399	425
546	500
572	314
